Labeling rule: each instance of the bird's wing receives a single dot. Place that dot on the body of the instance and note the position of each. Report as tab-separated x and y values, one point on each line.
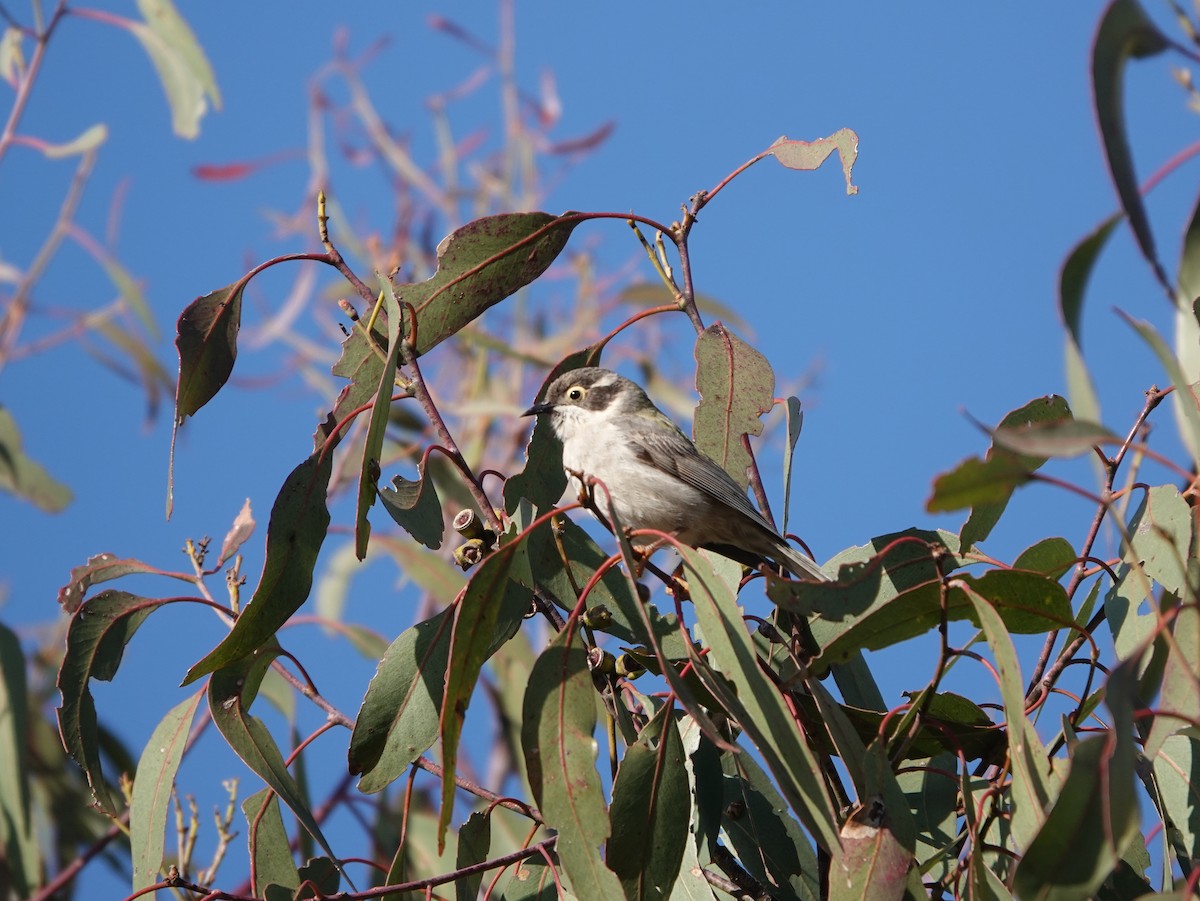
673	453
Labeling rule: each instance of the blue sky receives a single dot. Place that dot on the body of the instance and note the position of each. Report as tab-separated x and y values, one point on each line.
929	293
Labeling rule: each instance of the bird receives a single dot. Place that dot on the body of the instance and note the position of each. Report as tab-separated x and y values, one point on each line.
656	478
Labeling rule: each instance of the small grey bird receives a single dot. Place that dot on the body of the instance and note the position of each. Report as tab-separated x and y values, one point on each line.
612	432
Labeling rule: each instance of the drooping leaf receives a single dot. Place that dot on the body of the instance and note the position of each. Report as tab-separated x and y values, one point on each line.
206	337
242	528
488	613
474	842
368	477
1072	285
751	699
295	532
560	755
91	138
650	797
399	716
415	506
1095	814
25	477
19	847
1188	403
1187	325
187	78
1125	33
653	294
99	568
1069	438
268	843
807	155
736	386
976	483
96	642
543	480
231	691
152	786
795	422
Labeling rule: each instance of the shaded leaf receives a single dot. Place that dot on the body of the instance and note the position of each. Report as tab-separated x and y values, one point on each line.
872	864
1187	326
1051	557
206	338
295	532
1188	404
752	699
560	755
474	842
152	787
231	691
736	386
416	507
1125	33
23	476
650	796
1095	814
96	642
795	422
531	879
19	848
976	482
811	154
1177	776
399	716
1179	703
99	568
486	615
268	843
368	478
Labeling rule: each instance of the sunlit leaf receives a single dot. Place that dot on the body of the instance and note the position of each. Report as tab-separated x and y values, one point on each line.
183	69
560	755
99	568
872	864
1187	325
1072	285
1179	702
152	788
91	138
1051	557
23	476
295	532
811	154
399	716
1056	439
736	386
242	528
96	642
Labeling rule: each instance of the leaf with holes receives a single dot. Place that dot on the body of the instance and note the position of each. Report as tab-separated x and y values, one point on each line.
807	155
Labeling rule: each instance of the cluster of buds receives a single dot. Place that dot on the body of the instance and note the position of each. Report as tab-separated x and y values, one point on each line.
479	539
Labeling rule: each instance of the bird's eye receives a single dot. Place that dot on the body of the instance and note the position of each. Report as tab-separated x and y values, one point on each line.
576	393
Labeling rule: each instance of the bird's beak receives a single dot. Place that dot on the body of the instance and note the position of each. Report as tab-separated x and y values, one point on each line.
538	409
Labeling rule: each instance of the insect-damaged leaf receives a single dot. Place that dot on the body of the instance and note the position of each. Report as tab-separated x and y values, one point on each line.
415	506
295	532
806	155
737	386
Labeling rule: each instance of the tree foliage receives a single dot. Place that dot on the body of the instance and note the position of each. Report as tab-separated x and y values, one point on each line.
678	727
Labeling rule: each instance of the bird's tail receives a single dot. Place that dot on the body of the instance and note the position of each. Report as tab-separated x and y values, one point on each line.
799	564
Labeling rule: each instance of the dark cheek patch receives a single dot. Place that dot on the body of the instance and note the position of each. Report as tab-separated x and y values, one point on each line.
599	397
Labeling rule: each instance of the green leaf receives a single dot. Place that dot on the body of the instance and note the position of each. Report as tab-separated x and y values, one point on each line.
90	139
736	386
399	716
767	841
1189	403
1179	704
795	422
932	798
297	527
650	796
1095	814
206	338
23	476
96	641
807	155
368	479
1125	33
871	865
654	294
531	880
1069	438
152	787
99	568
543	480
268	843
1051	557
488	613
1176	769
479	265
752	699
415	506
1187	325
1034	785
183	69
18	842
474	842
1072	285
560	753
231	690
976	483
